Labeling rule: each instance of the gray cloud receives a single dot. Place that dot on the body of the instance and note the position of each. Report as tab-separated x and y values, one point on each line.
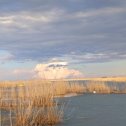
83	31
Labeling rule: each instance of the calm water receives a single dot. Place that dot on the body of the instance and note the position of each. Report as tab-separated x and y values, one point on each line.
96	110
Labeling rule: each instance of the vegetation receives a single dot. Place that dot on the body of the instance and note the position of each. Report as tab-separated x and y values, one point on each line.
33	103
98	87
104	79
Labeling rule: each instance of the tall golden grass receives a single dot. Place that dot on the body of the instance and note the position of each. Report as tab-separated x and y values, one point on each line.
98	87
33	103
64	87
111	79
104	79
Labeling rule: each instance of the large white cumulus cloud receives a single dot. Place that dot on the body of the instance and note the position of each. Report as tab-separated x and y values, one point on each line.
56	70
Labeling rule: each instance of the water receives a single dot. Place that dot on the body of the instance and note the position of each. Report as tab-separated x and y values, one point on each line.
97	110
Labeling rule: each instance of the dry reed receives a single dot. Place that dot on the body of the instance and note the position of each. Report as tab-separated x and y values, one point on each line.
32	103
97	87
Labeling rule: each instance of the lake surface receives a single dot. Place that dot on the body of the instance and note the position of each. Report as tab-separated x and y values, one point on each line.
96	110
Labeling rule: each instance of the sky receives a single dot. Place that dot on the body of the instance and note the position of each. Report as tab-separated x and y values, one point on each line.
88	36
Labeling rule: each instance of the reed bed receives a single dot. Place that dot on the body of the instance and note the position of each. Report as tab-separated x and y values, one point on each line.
64	87
111	79
33	103
106	87
98	87
104	79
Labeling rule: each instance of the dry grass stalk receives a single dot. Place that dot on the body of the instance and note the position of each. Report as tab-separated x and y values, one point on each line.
98	87
33	105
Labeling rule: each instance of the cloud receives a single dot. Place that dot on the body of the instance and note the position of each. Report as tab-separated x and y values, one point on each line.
5	56
22	73
101	12
56	70
16	74
40	30
28	20
76	31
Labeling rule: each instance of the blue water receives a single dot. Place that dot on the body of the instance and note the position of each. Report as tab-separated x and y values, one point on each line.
96	110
